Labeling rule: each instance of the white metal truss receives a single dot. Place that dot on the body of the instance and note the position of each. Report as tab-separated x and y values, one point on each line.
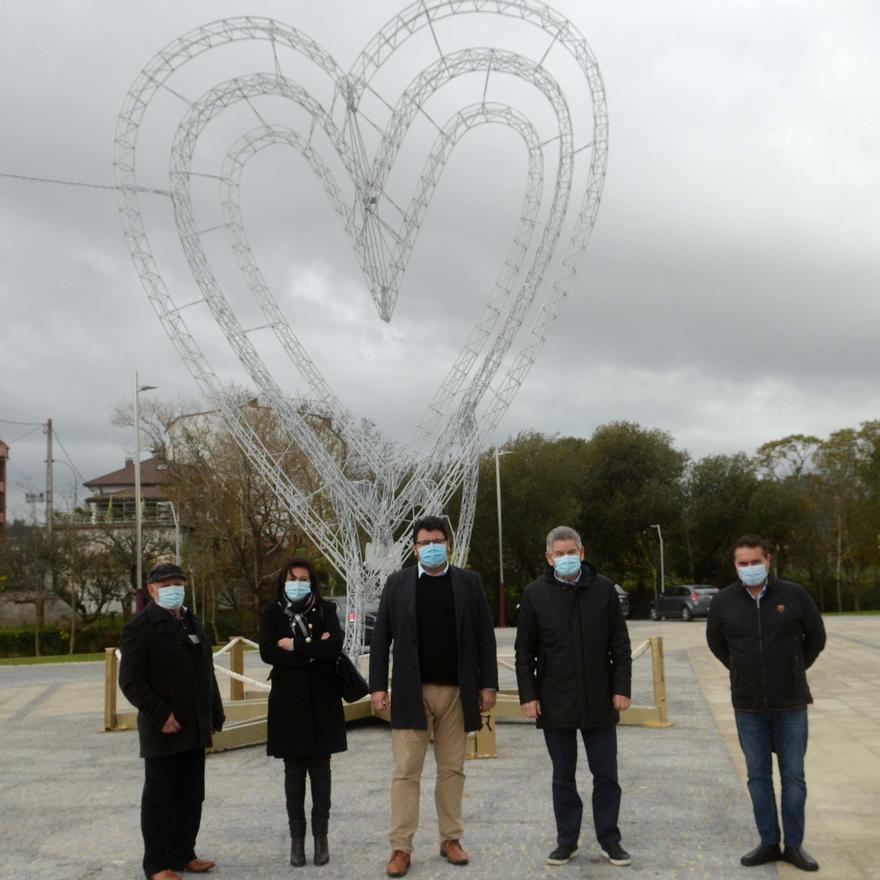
374	501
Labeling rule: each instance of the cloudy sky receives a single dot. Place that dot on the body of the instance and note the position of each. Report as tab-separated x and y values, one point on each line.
728	294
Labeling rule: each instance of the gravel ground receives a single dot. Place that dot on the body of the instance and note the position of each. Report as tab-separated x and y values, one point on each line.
70	797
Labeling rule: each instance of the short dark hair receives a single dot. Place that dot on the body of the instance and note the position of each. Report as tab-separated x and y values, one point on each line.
297	562
431	524
752	541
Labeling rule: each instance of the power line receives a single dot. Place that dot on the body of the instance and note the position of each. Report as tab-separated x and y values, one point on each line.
26	434
23	424
81	183
67	456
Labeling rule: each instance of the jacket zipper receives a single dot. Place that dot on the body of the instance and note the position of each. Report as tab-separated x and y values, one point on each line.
761	651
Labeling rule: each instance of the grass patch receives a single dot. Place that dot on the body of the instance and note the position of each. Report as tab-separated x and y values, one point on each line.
51	658
849	613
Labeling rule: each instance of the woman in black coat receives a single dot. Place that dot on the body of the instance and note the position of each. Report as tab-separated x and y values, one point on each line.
301	638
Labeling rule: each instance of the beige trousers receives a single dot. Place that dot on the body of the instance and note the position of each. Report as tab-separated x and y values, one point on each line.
446	721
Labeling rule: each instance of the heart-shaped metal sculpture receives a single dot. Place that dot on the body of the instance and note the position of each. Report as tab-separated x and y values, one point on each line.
443	455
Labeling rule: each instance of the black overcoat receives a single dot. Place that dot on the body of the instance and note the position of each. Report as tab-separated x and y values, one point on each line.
306	718
396	632
768	647
572	650
163	671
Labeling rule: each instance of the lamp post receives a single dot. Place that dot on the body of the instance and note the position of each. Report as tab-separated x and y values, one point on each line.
138	518
662	571
502	599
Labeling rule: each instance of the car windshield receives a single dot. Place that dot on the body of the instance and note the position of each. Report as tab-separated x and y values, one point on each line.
706	590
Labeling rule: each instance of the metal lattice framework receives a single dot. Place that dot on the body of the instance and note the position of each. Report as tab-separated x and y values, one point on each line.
421	476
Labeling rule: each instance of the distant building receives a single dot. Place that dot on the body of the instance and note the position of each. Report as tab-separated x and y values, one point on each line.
19	608
4	455
112	498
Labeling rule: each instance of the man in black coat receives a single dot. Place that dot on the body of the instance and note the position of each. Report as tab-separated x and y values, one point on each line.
768	632
167	673
445	675
573	668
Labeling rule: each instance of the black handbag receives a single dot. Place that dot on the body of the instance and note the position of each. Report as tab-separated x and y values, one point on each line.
352	684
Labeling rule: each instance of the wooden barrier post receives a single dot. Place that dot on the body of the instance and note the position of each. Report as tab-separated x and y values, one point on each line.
659	671
236	664
481	744
111	670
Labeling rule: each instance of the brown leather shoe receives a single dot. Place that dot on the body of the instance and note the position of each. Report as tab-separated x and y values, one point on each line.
398	864
453	853
167	874
199	866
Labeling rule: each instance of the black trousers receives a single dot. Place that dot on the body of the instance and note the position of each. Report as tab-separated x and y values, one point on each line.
601	746
318	770
171	809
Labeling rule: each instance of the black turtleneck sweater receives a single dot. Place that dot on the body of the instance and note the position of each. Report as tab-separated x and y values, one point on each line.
435	620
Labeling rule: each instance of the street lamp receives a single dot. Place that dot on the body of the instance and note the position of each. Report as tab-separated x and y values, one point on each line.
662	572
502	601
138	518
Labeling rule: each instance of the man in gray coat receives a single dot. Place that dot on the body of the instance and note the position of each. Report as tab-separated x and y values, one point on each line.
573	667
445	674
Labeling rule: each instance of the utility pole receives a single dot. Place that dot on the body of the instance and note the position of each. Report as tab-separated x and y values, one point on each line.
138	515
502	598
49	581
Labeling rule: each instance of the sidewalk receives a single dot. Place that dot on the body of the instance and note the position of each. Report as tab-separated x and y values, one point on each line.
70	793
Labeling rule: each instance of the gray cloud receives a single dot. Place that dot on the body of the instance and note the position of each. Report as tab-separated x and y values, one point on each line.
728	294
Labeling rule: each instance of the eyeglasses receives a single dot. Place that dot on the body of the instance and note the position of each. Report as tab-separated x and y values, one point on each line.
430	541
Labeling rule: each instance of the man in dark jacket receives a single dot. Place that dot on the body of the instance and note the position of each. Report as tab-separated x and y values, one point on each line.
768	632
573	667
167	673
445	675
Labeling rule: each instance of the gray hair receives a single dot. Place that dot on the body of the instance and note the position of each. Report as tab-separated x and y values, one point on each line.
563	533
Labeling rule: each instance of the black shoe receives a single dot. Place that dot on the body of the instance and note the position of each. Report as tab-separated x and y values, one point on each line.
796	856
561	854
616	854
322	851
760	855
298	851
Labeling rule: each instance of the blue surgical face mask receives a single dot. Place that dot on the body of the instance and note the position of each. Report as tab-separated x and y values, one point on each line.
566	566
171	598
433	555
297	590
753	575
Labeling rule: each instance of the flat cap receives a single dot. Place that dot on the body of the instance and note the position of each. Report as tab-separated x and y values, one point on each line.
164	571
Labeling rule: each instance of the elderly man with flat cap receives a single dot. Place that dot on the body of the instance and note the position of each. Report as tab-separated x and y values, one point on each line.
167	673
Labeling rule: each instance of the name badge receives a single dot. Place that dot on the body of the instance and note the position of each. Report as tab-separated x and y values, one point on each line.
194	639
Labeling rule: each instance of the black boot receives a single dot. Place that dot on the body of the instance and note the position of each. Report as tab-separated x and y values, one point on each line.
319	777
322	851
298	850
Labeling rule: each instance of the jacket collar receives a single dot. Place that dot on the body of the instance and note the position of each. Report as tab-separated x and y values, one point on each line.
172	629
588	575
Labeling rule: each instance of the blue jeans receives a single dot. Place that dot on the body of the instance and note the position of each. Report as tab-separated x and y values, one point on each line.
761	734
601	747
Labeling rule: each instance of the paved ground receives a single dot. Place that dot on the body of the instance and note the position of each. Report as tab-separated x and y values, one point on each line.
69	793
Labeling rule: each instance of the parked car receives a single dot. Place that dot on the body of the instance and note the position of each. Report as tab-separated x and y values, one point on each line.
345	615
623	598
683	602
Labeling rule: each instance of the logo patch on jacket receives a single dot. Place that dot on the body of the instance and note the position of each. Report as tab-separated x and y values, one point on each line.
780	608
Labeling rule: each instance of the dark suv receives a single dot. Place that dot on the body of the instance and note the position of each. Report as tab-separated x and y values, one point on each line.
684	602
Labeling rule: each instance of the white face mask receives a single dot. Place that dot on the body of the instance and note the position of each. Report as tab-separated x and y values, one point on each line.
171	598
753	575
